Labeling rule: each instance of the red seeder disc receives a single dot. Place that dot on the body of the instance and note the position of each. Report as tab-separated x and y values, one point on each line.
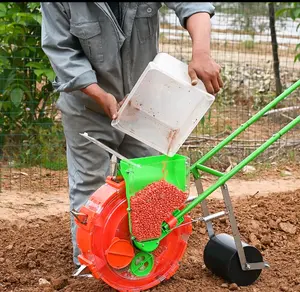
107	232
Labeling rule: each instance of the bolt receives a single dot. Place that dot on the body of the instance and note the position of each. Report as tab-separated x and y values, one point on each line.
247	266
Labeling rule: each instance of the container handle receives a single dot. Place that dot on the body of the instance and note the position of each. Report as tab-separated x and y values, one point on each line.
111	151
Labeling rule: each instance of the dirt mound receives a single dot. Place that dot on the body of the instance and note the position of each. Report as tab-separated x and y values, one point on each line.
38	255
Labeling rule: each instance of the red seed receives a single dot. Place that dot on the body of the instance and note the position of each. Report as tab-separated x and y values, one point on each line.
151	206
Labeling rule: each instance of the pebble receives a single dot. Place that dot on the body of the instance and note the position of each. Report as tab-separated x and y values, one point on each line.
2	260
31	265
194	259
202	231
272	224
12	279
249	169
288	227
43	282
224	285
255	224
59	283
8	262
10	247
233	287
266	240
284	288
23	281
32	256
286	173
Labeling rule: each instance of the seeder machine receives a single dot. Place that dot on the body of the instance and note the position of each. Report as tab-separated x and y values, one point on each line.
134	230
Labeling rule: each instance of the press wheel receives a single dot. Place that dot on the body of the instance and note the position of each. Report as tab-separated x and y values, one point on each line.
221	258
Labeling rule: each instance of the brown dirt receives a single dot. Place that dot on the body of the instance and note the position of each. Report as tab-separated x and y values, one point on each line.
41	249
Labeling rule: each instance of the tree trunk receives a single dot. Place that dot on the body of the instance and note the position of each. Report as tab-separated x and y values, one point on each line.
274	49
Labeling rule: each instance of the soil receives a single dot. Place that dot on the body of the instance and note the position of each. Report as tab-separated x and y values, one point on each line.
39	249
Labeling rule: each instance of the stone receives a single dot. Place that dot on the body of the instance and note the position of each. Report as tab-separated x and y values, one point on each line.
44	282
288	227
233	287
2	260
286	173
266	240
255	225
31	265
10	247
202	231
32	256
253	239
272	224
249	169
59	283
224	285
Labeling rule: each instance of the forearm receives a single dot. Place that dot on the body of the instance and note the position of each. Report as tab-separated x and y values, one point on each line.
95	92
199	28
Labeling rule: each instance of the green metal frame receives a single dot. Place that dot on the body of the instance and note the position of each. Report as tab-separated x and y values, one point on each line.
223	178
151	245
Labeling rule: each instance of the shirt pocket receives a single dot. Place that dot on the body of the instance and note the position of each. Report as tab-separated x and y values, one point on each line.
146	20
90	38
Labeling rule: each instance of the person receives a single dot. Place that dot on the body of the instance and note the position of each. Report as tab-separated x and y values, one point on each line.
98	50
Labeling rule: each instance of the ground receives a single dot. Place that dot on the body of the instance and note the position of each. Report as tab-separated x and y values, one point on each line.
35	238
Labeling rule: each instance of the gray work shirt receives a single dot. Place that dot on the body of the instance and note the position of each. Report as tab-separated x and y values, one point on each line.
85	44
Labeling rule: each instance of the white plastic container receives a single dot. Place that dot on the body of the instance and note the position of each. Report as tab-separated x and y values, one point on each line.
163	108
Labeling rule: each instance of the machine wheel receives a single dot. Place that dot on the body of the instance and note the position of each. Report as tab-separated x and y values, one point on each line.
106	246
221	258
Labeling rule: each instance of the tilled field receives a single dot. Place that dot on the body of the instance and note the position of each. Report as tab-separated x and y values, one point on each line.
36	256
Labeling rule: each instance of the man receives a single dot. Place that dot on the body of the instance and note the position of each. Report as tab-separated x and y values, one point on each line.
98	51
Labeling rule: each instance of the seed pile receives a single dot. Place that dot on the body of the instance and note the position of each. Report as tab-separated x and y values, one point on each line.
153	205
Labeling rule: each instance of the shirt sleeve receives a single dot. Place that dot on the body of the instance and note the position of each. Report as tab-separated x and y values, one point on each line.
184	10
72	68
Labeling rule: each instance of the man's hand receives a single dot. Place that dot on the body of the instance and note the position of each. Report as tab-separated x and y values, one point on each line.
110	106
205	68
106	100
123	100
202	65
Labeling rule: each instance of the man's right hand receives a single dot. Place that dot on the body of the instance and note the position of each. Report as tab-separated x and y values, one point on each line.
110	105
106	100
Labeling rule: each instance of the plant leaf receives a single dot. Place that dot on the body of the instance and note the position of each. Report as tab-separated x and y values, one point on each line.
281	11
50	74
16	96
3	9
36	65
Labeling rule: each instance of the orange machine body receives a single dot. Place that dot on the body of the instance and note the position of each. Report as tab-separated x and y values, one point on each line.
106	247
